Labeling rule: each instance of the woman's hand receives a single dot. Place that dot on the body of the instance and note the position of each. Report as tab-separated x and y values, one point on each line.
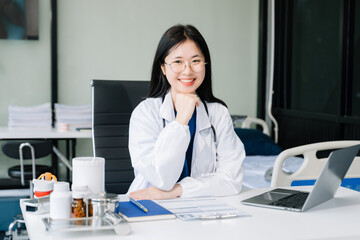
154	193
185	106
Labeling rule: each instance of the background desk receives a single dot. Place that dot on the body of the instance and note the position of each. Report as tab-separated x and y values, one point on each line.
338	218
48	134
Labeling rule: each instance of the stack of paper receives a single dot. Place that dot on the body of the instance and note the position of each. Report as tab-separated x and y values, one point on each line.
75	116
30	117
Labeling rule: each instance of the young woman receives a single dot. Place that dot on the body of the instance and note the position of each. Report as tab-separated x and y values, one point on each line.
181	138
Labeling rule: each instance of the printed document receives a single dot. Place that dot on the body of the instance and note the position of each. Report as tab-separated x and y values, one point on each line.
205	208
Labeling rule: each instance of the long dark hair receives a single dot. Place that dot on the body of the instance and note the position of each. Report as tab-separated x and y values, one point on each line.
176	35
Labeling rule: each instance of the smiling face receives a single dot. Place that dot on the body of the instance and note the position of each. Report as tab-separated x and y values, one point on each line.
185	81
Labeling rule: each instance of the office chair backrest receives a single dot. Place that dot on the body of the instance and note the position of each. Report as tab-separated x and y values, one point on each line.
113	103
312	165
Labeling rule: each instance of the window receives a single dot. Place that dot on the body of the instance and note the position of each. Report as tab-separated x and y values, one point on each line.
317	70
356	65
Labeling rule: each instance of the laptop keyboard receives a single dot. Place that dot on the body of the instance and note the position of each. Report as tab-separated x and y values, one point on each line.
296	200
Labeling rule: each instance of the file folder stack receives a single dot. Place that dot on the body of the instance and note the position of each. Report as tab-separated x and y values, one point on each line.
38	116
75	116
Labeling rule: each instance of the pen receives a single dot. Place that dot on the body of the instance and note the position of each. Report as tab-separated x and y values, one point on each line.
139	205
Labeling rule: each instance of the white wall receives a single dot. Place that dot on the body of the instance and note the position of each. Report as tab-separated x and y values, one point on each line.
117	39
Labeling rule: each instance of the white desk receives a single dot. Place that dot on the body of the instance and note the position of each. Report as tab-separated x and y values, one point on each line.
338	218
50	134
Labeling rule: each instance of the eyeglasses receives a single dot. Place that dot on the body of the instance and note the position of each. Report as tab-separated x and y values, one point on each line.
196	65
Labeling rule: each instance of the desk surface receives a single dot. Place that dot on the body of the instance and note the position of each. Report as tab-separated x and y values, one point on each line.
337	218
33	133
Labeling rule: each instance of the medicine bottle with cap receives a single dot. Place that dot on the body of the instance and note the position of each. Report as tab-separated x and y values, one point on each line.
78	206
60	201
81	189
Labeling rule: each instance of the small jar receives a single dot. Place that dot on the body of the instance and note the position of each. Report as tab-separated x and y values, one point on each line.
99	203
78	206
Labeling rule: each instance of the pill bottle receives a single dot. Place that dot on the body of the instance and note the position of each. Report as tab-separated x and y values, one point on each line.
78	206
60	201
81	189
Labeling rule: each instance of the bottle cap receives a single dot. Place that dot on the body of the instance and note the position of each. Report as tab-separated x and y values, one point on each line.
61	187
77	195
42	185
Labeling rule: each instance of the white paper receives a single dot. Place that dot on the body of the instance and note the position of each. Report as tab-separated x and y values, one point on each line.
39	116
206	208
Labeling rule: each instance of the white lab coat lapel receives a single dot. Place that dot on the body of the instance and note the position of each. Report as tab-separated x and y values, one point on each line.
202	161
167	109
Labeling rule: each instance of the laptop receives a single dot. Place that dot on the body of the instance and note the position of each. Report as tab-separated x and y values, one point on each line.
324	189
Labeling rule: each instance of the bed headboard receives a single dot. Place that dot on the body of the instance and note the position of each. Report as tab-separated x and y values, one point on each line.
256	142
250	122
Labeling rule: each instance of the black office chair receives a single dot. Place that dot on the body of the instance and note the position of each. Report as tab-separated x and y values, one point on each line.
113	102
23	151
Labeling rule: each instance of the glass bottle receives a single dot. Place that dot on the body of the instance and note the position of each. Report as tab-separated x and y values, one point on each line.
78	206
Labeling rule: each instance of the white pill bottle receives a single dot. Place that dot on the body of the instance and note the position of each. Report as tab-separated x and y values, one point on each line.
60	201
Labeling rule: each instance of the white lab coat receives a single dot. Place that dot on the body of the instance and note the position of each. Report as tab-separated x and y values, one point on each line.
158	153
